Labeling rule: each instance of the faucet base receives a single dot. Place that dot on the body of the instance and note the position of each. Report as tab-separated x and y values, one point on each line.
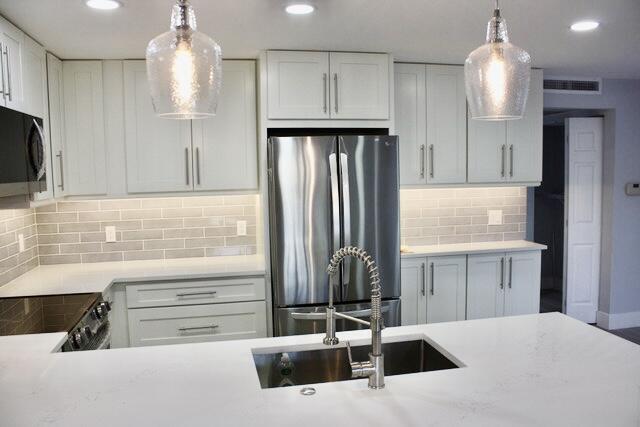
330	340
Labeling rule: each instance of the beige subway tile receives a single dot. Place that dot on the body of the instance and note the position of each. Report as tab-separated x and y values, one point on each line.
48	249
250	210
108	205
72	227
46	239
12	249
142	234
411	232
141	213
3	228
506	210
123	225
438	231
487	201
225	251
438	193
102	257
222	211
471	211
60	259
80	248
182	212
523	210
514	218
49	218
99	236
523	191
220	231
7	238
8	263
164	244
454	203
522	226
139	255
78	206
27	255
47	228
520	201
419	204
521	235
184	253
201	201
455	220
240	240
410	194
173	202
205	242
438	212
421	222
248	199
14	224
409	212
231	220
480	219
183	233
502	228
449	240
53	207
471	229
211	221
466	193
250	250
162	223
504	191
134	245
99	216
30	242
493	237
422	241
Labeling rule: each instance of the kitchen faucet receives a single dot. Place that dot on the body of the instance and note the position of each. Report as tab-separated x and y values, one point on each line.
374	367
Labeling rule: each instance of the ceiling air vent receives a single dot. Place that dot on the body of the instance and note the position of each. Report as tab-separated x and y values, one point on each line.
573	85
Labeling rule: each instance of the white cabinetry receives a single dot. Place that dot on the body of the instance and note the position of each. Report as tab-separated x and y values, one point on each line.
85	159
34	78
327	85
431	120
412	282
11	45
55	87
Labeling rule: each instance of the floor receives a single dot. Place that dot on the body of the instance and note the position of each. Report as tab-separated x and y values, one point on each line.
550	301
630	334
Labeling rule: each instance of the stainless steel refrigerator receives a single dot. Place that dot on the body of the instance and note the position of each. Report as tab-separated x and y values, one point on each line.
326	192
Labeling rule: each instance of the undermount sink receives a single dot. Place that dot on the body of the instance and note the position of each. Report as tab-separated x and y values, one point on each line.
291	368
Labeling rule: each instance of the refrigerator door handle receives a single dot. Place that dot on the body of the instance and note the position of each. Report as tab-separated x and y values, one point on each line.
335	201
346	219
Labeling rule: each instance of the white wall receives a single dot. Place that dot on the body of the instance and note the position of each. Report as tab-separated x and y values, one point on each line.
620	275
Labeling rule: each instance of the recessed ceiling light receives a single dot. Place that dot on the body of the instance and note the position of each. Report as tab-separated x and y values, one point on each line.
103	4
585	25
299	9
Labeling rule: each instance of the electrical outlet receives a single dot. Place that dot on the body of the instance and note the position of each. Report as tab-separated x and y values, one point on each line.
21	242
241	228
110	232
495	217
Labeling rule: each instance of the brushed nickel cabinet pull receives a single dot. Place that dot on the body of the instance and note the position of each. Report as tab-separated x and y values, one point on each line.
433	284
511	160
186	164
504	148
324	92
61	163
431	160
502	273
196	328
198	165
189	294
422	161
423	287
335	85
8	88
510	271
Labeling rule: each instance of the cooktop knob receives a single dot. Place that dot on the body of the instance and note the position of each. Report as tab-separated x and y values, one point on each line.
106	307
98	312
76	339
87	332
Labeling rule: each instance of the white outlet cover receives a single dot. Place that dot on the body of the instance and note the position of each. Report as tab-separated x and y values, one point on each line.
110	232
21	242
495	217
241	228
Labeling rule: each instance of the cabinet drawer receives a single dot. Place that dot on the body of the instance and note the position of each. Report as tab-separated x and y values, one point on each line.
189	292
197	323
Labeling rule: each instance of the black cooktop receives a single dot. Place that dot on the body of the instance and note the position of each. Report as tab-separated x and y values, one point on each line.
41	314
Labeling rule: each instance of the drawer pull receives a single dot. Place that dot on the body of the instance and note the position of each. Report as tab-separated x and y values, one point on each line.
190	294
197	328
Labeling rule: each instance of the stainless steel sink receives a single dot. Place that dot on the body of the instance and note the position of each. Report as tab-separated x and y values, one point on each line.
282	369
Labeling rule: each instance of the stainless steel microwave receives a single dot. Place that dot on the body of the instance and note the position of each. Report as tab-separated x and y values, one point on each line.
22	154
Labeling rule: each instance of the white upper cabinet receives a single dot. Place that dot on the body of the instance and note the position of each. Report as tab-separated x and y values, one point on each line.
509	151
446	288
158	151
359	85
84	128
225	146
298	85
56	125
34	78
12	44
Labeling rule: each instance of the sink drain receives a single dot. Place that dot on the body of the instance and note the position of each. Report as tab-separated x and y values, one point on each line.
308	391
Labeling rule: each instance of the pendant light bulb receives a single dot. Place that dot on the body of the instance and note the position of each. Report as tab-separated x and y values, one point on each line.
497	75
184	69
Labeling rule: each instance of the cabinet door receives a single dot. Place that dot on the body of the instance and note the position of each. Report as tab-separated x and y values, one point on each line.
158	150
225	146
523	283
298	85
86	172
359	85
56	125
34	67
412	290
485	285
411	121
524	137
487	151
12	40
446	288
446	125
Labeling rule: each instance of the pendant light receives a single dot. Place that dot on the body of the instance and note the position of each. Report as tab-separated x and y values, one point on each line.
184	69
497	75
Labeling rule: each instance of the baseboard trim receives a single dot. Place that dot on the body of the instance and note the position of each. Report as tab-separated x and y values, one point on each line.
618	320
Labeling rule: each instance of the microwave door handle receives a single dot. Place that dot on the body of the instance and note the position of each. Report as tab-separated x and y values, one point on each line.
43	146
346	219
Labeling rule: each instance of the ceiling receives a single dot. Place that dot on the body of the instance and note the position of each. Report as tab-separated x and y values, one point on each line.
440	31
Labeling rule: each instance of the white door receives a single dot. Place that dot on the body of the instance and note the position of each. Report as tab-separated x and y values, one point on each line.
523	283
485	285
84	128
56	125
583	208
12	42
446	125
487	151
158	150
298	85
359	85
225	146
446	288
412	290
411	121
524	137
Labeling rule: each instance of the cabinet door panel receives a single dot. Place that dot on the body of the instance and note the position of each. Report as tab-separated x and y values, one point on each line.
411	121
56	125
446	125
226	145
485	286
158	150
523	283
487	151
298	85
33	64
12	45
446	288
412	288
86	173
359	85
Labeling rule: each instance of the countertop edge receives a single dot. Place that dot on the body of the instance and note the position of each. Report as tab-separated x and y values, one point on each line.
472	248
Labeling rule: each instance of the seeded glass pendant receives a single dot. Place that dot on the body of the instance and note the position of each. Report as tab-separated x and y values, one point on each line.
184	69
497	75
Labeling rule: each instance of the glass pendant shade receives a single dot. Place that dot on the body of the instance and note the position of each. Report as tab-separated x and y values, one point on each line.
497	76
184	69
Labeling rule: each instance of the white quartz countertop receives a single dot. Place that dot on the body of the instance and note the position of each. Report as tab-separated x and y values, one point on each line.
472	248
96	277
532	370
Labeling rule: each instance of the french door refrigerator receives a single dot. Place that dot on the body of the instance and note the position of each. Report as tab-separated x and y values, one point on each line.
326	192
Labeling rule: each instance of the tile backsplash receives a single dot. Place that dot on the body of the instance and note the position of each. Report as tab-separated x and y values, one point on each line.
460	215
158	228
13	223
